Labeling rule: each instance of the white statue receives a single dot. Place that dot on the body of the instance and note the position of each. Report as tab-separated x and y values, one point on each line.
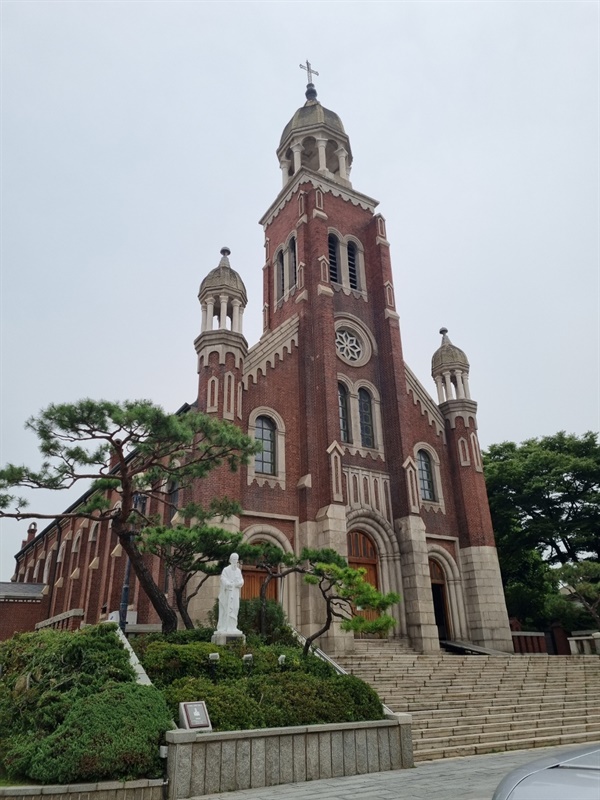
229	597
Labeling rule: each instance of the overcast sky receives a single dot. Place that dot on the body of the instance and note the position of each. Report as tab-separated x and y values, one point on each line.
138	138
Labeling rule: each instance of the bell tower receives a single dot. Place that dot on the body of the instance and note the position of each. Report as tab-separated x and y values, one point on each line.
484	595
221	346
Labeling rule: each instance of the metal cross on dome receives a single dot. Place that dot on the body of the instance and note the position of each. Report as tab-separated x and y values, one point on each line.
309	70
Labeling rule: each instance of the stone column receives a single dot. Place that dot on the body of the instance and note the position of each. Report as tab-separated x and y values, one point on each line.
235	322
466	384
342	155
322	144
297	151
223	316
417	595
448	383
210	313
203	327
440	389
285	168
460	391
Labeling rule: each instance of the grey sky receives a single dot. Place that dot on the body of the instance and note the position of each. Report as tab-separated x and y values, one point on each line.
138	138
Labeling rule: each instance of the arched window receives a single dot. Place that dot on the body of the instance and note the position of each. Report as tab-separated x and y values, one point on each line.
344	413
365	411
352	265
426	484
280	275
173	499
293	262
265	434
334	250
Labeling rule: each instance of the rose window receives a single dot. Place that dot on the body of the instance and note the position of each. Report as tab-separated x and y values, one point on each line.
348	345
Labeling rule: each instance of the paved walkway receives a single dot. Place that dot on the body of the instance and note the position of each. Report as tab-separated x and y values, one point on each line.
468	778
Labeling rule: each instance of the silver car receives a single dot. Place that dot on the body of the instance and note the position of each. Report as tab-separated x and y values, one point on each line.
572	775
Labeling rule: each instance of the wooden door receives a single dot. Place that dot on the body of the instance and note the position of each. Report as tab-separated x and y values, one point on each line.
363	553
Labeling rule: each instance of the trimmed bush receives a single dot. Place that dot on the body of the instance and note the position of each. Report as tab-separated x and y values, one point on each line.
294	698
44	673
166	662
230	706
65	702
140	642
113	734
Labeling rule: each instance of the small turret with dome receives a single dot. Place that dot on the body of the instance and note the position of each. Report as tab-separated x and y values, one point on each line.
450	371
315	139
223	294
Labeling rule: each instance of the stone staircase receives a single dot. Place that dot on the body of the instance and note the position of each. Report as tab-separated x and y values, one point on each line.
465	705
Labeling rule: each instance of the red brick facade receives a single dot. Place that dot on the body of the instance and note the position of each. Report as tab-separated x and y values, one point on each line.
358	444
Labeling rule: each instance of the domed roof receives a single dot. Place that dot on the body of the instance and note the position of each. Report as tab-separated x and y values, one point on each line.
448	357
311	115
224	277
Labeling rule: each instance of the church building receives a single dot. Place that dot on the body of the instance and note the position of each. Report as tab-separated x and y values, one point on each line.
357	456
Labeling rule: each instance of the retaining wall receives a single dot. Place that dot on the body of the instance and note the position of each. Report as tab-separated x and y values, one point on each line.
207	763
107	790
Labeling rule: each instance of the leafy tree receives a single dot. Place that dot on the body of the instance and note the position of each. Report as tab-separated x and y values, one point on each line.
545	496
545	503
343	589
147	449
582	582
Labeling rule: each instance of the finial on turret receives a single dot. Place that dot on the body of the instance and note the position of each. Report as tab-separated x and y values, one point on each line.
445	339
311	92
225	251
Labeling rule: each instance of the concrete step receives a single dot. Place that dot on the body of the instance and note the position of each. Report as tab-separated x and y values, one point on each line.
500	745
463	705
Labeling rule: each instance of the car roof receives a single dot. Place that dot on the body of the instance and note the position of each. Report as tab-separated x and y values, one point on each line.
581	758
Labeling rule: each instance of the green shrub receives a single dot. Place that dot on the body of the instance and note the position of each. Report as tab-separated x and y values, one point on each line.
140	642
362	700
112	734
277	630
45	672
230	706
166	662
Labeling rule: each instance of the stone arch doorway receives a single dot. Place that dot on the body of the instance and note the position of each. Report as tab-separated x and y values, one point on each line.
253	580
362	553
440	600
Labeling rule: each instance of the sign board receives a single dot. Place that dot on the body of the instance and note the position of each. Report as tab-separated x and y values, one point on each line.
194	716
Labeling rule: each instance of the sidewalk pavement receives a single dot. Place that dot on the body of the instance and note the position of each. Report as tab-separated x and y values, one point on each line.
467	778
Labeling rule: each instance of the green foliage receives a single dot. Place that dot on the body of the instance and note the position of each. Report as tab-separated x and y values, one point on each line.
345	592
141	642
295	698
166	662
277	630
545	504
546	493
147	448
112	734
44	672
582	582
229	705
68	701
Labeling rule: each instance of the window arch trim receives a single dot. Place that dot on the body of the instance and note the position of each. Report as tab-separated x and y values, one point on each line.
278	478
431	505
356	446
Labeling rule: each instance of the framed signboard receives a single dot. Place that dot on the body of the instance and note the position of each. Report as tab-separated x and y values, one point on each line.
194	716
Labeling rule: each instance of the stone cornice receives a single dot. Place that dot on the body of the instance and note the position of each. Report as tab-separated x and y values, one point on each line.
463	409
428	407
271	348
305	175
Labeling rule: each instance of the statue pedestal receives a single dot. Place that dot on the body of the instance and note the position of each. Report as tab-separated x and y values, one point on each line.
221	637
